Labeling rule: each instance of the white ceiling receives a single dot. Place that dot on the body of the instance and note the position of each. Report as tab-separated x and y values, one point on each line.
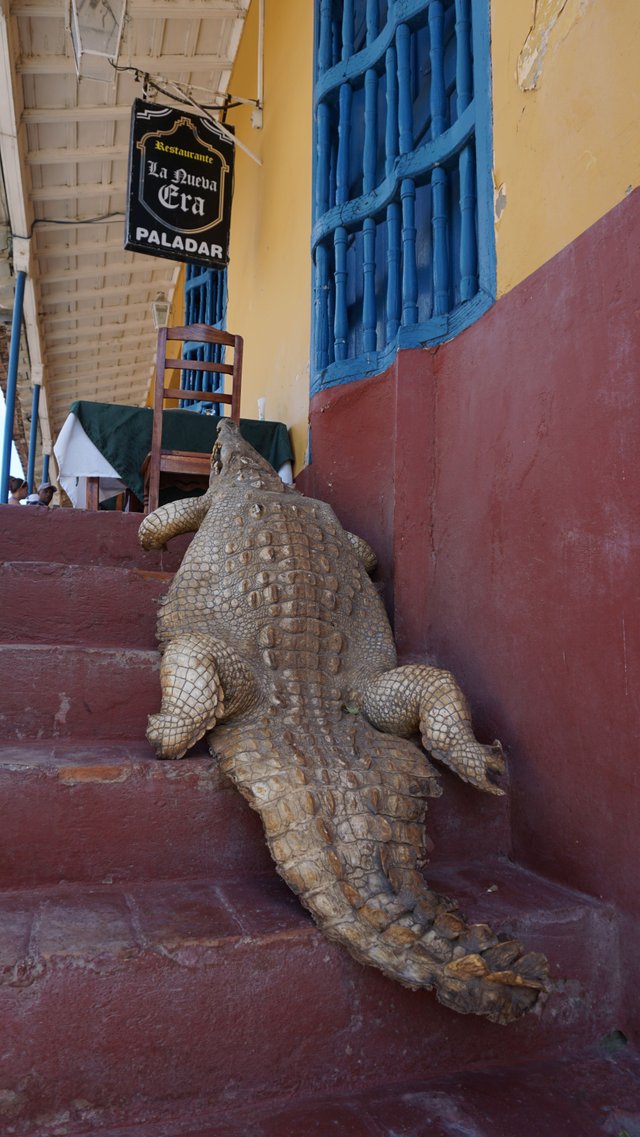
64	148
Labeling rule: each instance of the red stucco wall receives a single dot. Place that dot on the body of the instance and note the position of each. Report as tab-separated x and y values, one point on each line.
498	479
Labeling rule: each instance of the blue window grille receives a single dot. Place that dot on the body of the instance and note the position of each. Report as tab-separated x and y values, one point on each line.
402	242
205	302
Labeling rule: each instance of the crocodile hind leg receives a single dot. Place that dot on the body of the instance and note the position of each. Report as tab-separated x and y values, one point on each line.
483	974
417	697
201	681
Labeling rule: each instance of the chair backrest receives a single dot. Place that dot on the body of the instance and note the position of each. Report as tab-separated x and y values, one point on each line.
159	459
199	334
194	334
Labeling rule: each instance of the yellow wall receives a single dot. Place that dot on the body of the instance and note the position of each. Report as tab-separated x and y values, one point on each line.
566	108
269	268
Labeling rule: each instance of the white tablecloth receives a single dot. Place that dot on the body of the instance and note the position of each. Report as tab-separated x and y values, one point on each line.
78	459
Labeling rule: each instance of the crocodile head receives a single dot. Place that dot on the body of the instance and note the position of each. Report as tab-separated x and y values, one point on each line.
235	460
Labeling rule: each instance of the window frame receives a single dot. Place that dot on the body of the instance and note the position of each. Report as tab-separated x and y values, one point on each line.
473	123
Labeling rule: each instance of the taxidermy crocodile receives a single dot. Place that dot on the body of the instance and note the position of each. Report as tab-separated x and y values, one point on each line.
275	640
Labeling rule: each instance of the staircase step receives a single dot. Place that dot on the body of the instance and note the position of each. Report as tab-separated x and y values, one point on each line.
77	692
110	811
590	1095
74	536
54	603
139	997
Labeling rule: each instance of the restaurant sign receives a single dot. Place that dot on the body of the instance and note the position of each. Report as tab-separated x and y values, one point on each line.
180	186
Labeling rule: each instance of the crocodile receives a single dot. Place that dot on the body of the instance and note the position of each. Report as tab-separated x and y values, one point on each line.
275	644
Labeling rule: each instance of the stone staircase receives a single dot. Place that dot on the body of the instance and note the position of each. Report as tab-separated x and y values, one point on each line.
157	976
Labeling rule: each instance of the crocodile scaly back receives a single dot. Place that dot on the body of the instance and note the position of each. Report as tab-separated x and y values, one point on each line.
275	641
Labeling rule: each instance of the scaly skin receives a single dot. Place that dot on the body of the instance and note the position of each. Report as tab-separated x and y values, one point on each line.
275	641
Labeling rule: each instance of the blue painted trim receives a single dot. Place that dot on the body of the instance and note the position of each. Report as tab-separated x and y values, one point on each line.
468	249
406	166
484	145
33	436
12	383
473	124
435	331
400	12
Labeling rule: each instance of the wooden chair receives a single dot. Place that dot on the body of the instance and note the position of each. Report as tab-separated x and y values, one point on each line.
187	468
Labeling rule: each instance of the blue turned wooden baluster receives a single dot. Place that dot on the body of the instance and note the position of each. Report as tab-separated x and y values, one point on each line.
464	91
440	212
340	314
368	184
347	29
407	186
341	320
394	212
324	37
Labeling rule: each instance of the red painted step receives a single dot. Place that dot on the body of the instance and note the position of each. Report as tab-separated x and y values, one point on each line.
77	692
591	1095
150	994
112	812
72	536
54	603
152	964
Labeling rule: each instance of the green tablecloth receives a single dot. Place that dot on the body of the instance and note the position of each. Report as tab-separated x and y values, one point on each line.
123	435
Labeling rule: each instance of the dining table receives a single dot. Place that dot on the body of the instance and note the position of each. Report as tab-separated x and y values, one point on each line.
102	446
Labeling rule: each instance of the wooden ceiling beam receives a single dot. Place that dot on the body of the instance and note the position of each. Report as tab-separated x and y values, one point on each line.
91	189
138	9
70	318
75	298
131	268
96	333
163	65
60	156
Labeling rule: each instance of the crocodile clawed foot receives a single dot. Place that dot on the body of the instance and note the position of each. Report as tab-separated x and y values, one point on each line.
474	762
171	735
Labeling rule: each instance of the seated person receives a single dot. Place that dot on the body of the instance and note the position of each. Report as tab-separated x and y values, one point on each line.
45	493
18	491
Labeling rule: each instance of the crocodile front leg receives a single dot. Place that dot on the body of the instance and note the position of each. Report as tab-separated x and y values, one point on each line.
202	681
183	516
417	697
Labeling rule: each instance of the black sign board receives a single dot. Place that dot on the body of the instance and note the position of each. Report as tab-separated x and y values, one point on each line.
180	186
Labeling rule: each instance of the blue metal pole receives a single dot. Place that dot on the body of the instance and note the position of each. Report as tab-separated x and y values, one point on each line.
33	435
12	382
45	468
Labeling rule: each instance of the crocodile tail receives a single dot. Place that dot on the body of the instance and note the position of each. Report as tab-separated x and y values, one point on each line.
343	811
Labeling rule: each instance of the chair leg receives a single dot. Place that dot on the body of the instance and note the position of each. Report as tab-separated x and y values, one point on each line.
152	490
93	494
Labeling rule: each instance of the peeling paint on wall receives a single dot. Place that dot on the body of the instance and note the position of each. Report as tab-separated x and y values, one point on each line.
499	200
531	58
